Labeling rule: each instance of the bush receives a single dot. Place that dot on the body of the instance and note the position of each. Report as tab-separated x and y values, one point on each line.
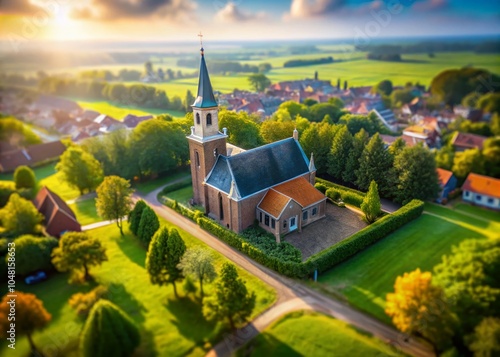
7	188
320	187
186	212
134	217
24	177
352	198
364	238
335	191
333	194
177	186
83	302
148	225
34	253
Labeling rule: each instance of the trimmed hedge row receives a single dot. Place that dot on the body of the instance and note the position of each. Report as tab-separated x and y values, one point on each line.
329	184
185	211
333	191
266	242
177	186
364	238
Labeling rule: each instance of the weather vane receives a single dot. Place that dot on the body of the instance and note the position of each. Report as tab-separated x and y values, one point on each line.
200	35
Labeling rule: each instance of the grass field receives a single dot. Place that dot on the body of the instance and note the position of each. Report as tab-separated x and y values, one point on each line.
305	333
182	195
85	211
478	211
366	278
169	327
148	186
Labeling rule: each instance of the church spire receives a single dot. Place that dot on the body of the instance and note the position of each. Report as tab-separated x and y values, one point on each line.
205	97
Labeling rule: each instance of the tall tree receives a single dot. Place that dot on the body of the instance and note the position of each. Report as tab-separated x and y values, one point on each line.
417	176
274	130
242	130
383	87
24	177
78	251
358	144
134	217
418	306
231	300
375	163
371	203
33	253
468	161
80	169
444	157
397	146
485	341
470	277
199	263
108	331
148	225
339	153
30	316
164	255
259	82
19	216
114	199
188	101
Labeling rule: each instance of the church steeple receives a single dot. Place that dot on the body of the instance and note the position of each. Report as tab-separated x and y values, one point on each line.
205	97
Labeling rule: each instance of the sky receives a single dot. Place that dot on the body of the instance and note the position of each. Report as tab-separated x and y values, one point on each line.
243	20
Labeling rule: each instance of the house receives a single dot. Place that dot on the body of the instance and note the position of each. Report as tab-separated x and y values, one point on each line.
59	218
131	120
238	189
482	190
45	104
447	183
465	141
31	156
425	133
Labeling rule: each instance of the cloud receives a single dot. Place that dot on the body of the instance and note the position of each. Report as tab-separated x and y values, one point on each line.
122	9
18	7
232	13
313	8
430	5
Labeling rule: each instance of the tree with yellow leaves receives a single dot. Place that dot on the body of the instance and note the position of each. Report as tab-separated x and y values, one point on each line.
417	306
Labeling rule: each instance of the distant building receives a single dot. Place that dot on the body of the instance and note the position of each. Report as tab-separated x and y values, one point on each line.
48	103
31	156
482	190
238	189
447	183
465	141
131	121
59	218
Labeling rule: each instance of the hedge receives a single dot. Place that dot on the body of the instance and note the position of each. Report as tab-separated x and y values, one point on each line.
329	184
177	186
364	238
185	211
333	191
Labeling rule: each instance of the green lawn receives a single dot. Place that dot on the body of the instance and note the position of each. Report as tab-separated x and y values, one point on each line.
85	211
169	327
40	172
56	184
119	111
149	186
182	195
478	211
305	333
366	278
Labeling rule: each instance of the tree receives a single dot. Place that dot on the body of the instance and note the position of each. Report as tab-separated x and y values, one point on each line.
108	331
274	130
444	157
371	203
383	87
468	161
199	263
317	112
164	255
148	225
30	317
418	306
19	216
485	341
317	139
24	177
242	131
80	169
78	251
352	165
294	109
265	67
491	156
336	101
33	253
231	300
114	199
189	101
345	85
259	82
134	217
397	146
339	153
417	177
148	68
470	277
375	163
402	96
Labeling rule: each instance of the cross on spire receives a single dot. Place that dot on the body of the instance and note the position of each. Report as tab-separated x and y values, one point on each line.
200	35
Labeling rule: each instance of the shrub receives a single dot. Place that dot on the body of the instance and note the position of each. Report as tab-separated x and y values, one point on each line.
348	195
333	194
83	302
320	187
186	212
148	225
24	177
134	217
34	253
352	198
177	186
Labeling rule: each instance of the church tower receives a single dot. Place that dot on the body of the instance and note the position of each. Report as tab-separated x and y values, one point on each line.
206	143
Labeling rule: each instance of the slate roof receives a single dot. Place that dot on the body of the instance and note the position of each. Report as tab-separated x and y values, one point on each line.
260	168
205	97
484	185
469	141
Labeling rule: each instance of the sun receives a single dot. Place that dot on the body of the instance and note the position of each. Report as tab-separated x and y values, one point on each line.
61	17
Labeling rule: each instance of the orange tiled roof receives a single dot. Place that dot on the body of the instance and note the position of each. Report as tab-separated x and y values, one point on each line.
484	185
444	176
274	203
301	191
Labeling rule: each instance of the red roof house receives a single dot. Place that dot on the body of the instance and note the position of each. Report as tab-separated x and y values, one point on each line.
482	190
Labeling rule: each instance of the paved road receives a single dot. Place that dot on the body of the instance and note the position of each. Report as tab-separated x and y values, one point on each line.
292	295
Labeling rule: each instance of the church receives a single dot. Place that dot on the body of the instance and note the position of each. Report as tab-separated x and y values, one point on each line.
272	184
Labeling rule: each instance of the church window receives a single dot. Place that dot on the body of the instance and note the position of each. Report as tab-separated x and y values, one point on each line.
197	118
209	119
266	220
197	159
221	208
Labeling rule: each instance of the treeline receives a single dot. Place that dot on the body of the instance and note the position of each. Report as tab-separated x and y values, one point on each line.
389	57
435	46
225	66
308	62
14	131
135	94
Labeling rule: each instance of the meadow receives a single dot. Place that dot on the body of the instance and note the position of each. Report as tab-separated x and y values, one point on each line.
302	333
365	279
169	326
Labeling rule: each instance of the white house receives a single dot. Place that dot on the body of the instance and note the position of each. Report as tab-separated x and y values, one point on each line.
482	190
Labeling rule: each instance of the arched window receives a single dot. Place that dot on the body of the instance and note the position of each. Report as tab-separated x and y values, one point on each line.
197	159
221	208
197	118
209	119
216	152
